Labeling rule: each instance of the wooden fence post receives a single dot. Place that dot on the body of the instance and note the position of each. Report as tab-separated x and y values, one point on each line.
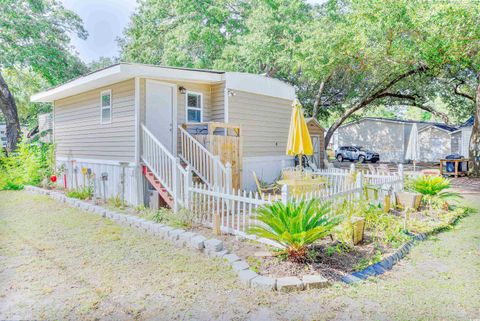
352	168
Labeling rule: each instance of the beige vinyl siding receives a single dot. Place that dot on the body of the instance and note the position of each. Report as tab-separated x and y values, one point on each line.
79	134
204	89
218	103
264	120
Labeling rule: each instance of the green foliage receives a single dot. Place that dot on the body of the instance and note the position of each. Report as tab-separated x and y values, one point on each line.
30	164
36	34
182	32
433	189
438	220
366	262
384	228
295	225
183	218
115	201
23	82
82	193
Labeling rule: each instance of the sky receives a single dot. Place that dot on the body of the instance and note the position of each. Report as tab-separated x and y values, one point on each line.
105	21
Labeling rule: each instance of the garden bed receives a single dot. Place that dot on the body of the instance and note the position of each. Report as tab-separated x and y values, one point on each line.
332	258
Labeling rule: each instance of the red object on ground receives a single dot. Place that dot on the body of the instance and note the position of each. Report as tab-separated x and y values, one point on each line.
65	181
53	178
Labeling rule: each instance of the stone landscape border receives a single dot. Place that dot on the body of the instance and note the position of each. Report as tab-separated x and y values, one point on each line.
387	263
197	242
216	248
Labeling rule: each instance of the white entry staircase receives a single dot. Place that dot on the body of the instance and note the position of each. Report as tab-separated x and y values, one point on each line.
166	174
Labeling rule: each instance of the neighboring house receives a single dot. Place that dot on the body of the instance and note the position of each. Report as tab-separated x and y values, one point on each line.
461	138
132	115
389	137
3	135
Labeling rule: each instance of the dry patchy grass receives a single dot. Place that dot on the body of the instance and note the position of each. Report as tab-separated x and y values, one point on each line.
60	263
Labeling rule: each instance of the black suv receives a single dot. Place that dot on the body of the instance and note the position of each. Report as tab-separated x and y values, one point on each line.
356	153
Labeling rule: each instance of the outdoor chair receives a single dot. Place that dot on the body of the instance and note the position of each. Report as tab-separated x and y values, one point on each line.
270	189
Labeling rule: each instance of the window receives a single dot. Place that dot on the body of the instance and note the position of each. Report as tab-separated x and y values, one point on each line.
106	107
194	107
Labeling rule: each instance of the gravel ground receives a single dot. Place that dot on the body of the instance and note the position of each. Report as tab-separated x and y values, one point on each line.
59	263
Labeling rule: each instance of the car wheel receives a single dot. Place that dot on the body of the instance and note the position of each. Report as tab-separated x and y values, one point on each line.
374	161
361	159
340	158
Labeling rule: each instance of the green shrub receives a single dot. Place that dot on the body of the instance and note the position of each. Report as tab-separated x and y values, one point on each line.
183	218
383	227
82	193
29	164
115	201
295	225
433	189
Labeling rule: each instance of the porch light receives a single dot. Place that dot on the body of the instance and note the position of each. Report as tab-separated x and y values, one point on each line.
182	90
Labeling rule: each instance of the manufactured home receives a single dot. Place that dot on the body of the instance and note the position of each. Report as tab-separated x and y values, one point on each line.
130	124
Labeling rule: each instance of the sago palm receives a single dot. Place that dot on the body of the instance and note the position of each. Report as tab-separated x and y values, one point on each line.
433	189
295	225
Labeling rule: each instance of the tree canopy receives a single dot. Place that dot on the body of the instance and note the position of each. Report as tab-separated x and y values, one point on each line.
35	36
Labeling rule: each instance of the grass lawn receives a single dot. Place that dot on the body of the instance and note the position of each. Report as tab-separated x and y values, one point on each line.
60	263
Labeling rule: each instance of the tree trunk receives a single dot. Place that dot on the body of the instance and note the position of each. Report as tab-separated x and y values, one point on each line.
474	149
9	110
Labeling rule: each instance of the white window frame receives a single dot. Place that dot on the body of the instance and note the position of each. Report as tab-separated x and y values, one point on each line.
109	92
194	108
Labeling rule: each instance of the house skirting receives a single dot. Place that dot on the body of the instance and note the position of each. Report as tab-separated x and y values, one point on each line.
131	187
267	168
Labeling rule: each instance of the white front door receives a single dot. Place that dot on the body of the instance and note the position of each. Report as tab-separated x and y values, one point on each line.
159	112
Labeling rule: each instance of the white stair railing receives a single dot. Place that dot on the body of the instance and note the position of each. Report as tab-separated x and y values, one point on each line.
206	165
163	165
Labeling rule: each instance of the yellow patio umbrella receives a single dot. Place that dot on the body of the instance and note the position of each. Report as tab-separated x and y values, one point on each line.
299	141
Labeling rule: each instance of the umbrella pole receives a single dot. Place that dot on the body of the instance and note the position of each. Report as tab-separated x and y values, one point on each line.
300	162
414	166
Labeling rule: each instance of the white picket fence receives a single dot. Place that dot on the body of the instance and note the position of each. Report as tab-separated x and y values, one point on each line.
234	211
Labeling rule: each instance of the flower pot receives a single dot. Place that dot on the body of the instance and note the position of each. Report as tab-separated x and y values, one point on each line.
409	200
358	225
